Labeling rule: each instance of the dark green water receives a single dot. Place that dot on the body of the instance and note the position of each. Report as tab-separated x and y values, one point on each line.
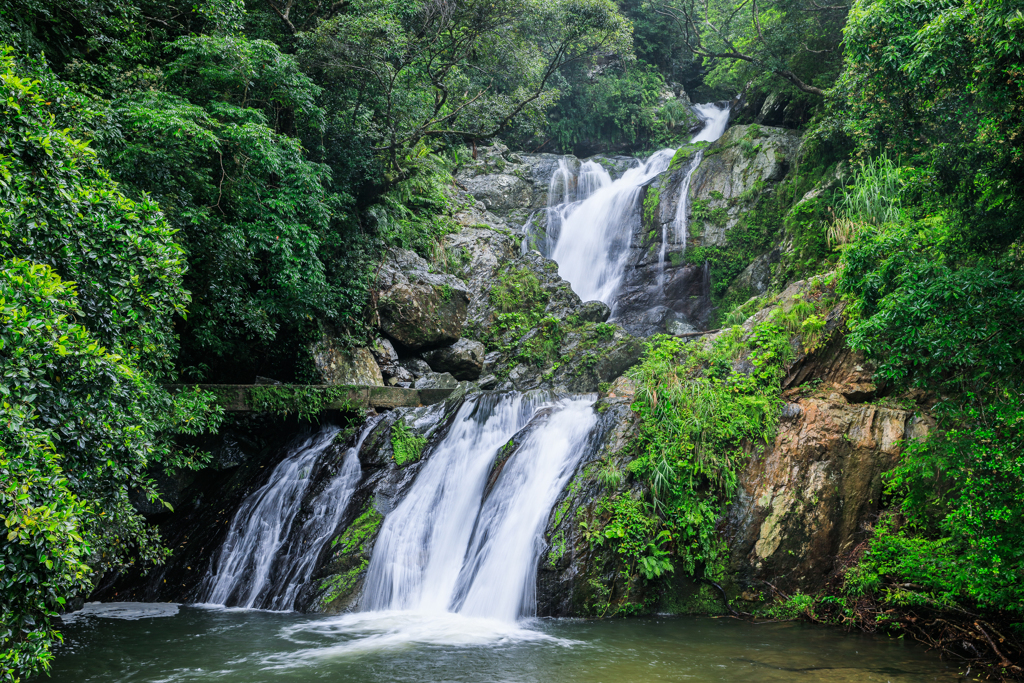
250	647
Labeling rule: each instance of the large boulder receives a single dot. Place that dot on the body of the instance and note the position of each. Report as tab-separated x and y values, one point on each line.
512	186
417	308
464	359
475	254
594	312
336	365
436	380
500	192
803	504
390	367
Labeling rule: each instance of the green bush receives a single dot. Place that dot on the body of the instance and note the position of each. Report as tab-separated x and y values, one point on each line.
81	429
699	419
407	445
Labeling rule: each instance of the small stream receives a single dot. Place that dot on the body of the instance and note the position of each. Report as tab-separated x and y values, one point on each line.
247	646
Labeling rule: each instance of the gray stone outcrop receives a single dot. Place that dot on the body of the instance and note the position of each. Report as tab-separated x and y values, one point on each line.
464	359
417	308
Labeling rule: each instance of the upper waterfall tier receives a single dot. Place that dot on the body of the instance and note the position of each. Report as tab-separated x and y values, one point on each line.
598	231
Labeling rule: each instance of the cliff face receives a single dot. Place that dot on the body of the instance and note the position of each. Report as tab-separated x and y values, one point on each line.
804	501
810	499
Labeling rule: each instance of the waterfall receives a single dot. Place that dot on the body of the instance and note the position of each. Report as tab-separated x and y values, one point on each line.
589	234
418	553
715	119
681	223
267	557
594	239
447	549
499	578
565	191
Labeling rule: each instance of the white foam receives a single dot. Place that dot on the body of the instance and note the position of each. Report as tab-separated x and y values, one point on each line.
362	633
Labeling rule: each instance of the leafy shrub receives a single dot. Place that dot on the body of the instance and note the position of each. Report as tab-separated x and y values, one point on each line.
956	539
408	446
81	426
700	418
59	206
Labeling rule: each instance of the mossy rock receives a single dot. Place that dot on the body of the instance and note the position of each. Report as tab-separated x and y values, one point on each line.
350	558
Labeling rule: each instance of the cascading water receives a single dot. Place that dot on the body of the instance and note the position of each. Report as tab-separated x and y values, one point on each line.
594	240
715	120
266	558
565	191
499	577
420	561
593	233
419	551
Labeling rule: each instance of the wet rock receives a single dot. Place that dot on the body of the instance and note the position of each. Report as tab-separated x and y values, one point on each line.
338	581
755	278
464	359
615	165
417	367
743	159
476	255
487	382
436	380
678	327
350	366
623	387
500	193
391	369
593	312
422	316
575	576
419	309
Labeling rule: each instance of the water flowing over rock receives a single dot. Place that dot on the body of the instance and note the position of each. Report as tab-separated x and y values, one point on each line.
419	551
498	577
436	380
485	505
592	249
612	237
267	556
428	558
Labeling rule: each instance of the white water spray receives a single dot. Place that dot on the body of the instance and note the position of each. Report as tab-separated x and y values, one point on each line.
499	577
419	550
446	550
593	244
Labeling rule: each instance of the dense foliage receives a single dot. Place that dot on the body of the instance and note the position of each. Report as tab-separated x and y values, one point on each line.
705	407
83	415
201	192
933	270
